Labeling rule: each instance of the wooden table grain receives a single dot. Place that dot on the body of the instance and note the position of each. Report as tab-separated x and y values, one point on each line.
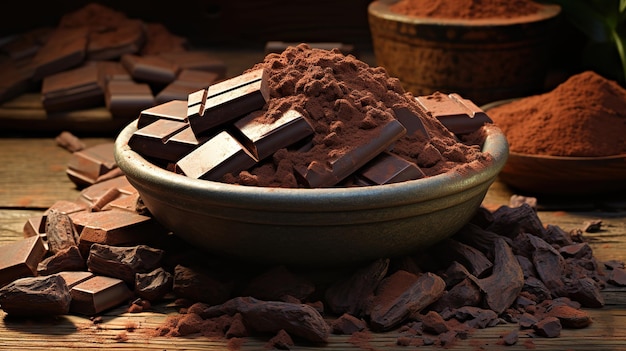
32	176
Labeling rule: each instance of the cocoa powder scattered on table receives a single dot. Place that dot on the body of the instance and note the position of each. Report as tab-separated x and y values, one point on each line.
466	9
584	116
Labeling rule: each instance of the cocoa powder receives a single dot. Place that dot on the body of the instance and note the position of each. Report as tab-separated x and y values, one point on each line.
584	116
466	9
346	101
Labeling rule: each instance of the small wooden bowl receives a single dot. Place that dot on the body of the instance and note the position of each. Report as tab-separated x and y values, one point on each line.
562	175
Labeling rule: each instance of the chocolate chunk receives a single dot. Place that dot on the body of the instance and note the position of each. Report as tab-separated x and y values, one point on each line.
153	285
347	324
33	227
150	69
570	317
36	296
112	70
263	137
152	140
175	110
88	166
197	285
127	98
549	327
411	121
318	175
228	100
68	259
98	294
218	156
69	141
123	262
60	231
19	259
124	37
387	168
459	115
65	48
73	278
89	195
73	89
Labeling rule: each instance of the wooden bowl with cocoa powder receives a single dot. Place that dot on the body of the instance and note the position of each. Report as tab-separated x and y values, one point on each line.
317	226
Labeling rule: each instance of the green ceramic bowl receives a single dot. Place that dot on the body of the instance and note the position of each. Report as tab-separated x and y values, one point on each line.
311	227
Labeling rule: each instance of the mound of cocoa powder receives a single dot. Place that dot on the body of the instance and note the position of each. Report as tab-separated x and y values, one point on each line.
466	9
346	100
584	116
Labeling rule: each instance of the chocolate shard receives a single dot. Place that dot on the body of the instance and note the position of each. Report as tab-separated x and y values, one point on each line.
387	168
123	262
400	298
151	69
19	259
150	141
505	283
198	285
459	115
153	285
263	137
88	166
317	175
127	98
271	316
60	231
36	296
215	158
228	100
411	121
175	110
68	259
98	294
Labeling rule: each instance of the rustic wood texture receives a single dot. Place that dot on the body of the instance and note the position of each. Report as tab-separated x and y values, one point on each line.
33	178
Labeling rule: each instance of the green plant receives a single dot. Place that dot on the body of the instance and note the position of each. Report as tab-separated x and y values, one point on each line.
603	23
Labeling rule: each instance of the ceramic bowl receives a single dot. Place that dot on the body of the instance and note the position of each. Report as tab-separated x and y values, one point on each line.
562	175
306	227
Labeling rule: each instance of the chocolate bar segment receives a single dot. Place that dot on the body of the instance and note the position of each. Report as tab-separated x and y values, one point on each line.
218	156
411	121
387	168
86	166
262	137
230	99
150	69
150	141
459	115
98	294
19	259
73	89
64	49
318	174
175	110
127	98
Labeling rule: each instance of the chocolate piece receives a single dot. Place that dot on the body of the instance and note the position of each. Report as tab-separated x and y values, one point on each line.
92	193
187	82
196	285
64	49
19	259
263	137
114	227
124	37
150	69
153	285
98	294
112	70
459	115
152	140
74	277
68	259
60	231
69	141
126	98
411	121
320	175
73	89
86	167
123	262
105	199
197	60
33	227
175	110
387	168
228	100
36	296
218	156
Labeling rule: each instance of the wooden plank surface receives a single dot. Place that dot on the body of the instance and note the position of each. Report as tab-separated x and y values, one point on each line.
33	178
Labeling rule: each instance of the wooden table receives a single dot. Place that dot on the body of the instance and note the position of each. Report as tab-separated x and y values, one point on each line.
32	176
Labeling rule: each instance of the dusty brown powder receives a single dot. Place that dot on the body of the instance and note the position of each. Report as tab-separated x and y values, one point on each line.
584	116
466	9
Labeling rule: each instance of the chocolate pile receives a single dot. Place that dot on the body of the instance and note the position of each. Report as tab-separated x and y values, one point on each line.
97	56
105	250
311	118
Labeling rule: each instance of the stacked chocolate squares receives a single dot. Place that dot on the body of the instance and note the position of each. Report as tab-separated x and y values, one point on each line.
218	130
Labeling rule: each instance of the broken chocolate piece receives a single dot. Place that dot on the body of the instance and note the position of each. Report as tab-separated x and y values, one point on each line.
19	259
215	158
459	115
36	296
127	98
74	89
123	262
175	110
197	285
228	100
88	165
151	140
69	141
318	175
263	137
73	278
68	259
60	231
153	285
98	294
387	168
65	48
151	69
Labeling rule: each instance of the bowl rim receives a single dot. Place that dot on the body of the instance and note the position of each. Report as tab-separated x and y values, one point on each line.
380	8
142	174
